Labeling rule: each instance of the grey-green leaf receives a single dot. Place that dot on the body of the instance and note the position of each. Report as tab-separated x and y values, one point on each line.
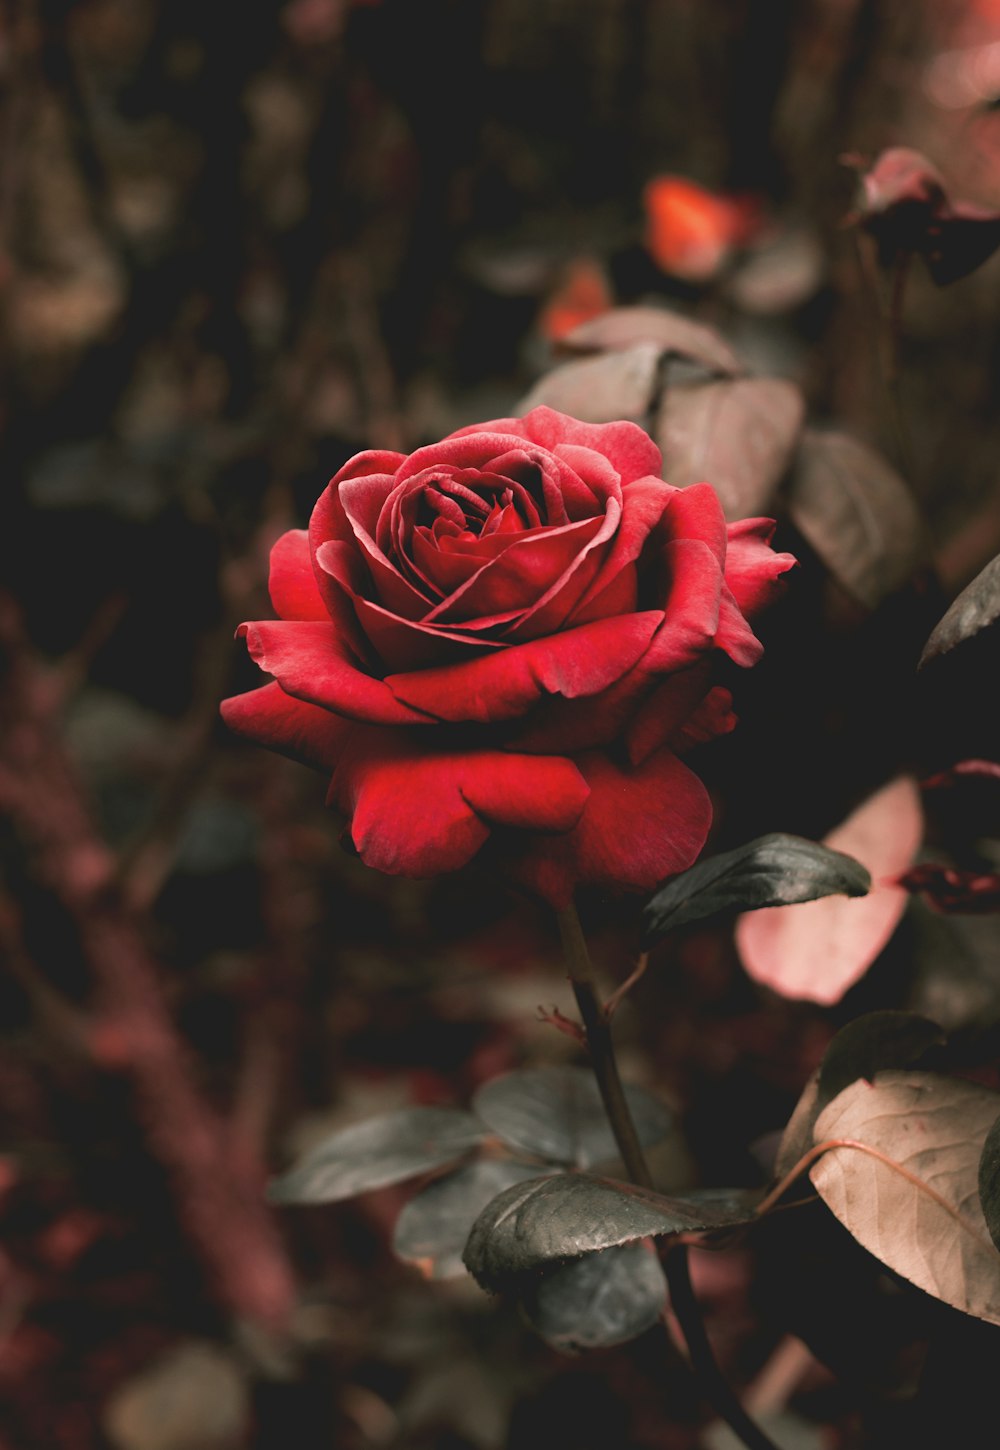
378	1152
562	1217
774	870
599	1300
977	606
432	1229
556	1113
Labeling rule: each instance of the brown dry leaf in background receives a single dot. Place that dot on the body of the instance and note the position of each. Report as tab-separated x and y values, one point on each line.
857	513
738	434
601	389
933	1127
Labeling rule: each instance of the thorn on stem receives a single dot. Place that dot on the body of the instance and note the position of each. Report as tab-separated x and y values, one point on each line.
564	1024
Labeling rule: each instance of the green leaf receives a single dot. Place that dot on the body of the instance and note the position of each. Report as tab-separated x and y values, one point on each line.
378	1152
432	1229
557	1114
773	870
599	1300
564	1216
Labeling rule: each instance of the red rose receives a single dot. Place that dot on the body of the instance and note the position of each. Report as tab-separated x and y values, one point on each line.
510	634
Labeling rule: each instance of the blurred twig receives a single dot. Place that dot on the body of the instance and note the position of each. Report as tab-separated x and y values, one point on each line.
218	1192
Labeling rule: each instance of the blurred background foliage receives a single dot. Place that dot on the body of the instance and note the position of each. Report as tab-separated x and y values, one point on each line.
241	243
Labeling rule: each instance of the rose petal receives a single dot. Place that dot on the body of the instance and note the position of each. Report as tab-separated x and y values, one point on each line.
752	567
304	732
524	573
566	496
626	446
328	520
565	726
713	717
644	502
691	617
329	525
362	500
640	825
696	513
418	812
292	584
621	596
504	685
404	644
526	792
497	450
407	816
663	713
342	577
734	635
307	661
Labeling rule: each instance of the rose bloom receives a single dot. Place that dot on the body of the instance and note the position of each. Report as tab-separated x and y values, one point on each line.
501	645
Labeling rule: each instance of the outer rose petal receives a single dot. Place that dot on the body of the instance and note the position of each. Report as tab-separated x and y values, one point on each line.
752	566
696	513
404	644
692	611
644	502
417	812
292	585
304	732
506	684
307	661
665	711
328	520
640	825
627	446
734	634
566	726
713	717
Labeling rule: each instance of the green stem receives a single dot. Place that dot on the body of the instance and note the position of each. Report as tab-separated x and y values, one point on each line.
675	1262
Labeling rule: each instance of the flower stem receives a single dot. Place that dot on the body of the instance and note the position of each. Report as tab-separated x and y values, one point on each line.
601	1048
675	1261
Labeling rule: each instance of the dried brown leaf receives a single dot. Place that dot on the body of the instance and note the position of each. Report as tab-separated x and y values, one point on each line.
601	389
675	335
857	513
738	435
779	277
922	1218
